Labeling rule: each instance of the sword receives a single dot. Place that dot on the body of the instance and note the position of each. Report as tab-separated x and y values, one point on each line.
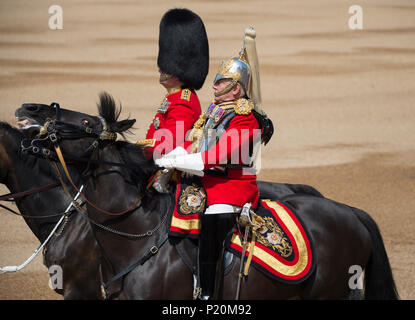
241	267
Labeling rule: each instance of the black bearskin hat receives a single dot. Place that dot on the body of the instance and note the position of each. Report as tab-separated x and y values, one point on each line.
184	47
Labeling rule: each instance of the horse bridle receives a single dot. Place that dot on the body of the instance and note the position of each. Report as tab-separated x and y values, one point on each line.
55	129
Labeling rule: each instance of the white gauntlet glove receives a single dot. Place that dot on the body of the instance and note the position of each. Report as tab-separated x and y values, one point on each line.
179	151
191	163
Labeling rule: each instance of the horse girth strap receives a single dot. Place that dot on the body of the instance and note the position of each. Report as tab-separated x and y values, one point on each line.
65	168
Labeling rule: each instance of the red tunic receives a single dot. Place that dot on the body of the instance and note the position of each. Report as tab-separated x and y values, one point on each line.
174	118
237	187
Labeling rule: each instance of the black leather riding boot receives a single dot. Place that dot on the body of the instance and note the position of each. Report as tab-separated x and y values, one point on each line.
214	229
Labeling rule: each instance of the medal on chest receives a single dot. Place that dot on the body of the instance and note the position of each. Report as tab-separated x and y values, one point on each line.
218	114
156	123
163	106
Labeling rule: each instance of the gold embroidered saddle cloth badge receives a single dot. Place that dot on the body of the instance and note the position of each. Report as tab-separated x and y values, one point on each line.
190	203
282	248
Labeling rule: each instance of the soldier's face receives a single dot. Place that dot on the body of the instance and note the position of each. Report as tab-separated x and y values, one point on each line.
220	85
169	81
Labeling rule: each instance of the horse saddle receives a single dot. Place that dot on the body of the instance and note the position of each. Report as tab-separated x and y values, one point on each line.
278	246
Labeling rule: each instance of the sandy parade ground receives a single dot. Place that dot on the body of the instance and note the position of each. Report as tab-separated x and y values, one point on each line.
342	99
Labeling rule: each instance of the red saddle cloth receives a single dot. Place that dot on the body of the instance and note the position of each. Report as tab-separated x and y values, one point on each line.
282	248
190	203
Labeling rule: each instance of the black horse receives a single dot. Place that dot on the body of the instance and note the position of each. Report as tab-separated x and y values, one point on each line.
115	179
73	246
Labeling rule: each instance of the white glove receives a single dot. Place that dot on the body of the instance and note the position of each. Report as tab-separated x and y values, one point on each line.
179	151
191	163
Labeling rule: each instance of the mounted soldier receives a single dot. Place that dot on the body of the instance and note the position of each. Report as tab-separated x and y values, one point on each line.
183	62
226	140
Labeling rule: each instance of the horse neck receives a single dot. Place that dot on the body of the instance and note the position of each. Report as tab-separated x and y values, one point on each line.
110	189
114	187
21	175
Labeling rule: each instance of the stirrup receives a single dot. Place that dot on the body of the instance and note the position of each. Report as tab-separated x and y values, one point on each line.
197	294
245	215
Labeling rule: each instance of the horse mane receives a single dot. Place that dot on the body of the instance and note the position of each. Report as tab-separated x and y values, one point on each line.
133	155
107	108
140	166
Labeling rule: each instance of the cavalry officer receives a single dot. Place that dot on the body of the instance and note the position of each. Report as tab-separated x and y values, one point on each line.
227	143
183	62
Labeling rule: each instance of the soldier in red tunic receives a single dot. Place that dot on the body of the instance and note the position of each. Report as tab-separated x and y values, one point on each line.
228	136
183	62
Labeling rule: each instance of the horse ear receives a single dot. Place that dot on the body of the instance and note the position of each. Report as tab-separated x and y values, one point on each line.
123	125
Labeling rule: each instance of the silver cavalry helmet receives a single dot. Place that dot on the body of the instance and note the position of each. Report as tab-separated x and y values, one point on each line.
237	69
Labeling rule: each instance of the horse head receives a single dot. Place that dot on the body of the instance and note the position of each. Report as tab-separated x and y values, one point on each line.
30	116
77	133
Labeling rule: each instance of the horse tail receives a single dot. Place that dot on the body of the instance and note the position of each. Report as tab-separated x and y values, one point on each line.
378	280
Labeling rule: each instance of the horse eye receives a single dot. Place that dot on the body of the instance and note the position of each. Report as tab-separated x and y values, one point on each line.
85	122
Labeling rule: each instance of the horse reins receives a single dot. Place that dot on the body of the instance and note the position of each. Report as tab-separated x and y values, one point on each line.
14	196
10	196
65	168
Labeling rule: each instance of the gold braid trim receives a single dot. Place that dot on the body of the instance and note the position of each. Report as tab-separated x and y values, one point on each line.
197	131
146	142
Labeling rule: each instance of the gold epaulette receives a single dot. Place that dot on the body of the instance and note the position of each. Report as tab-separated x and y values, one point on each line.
146	142
185	94
243	106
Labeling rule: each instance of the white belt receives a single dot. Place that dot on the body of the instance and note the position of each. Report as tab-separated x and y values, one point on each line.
222	208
